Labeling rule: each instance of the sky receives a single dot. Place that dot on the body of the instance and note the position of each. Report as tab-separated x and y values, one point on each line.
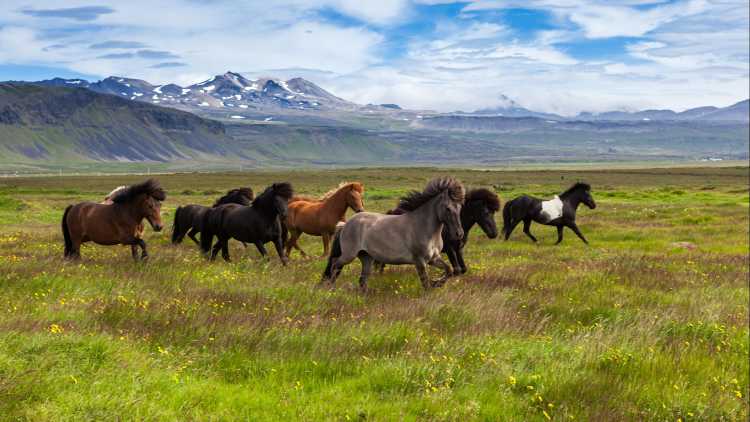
561	56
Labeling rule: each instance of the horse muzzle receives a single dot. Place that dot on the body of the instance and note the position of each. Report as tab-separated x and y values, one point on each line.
157	227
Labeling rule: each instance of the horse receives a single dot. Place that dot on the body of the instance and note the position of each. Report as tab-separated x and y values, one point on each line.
480	206
319	217
188	219
116	222
414	237
559	211
258	223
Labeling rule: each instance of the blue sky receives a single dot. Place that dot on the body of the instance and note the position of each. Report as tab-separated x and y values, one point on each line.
562	56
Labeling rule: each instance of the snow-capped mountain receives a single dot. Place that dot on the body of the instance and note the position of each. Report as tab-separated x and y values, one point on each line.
227	91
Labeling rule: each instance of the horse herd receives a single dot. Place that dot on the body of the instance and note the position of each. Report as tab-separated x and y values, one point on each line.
422	226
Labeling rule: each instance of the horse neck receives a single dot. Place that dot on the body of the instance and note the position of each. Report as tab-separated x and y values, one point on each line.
468	219
336	203
572	198
265	208
131	210
427	216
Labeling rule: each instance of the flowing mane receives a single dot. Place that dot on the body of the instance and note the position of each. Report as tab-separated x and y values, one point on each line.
357	186
265	199
485	195
435	187
150	187
576	187
242	196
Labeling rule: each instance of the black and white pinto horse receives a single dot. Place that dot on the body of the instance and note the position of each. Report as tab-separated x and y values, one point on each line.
559	211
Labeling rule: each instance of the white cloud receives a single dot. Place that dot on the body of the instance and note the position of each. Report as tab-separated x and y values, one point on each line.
689	53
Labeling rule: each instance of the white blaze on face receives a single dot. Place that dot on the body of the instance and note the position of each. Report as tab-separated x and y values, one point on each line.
552	209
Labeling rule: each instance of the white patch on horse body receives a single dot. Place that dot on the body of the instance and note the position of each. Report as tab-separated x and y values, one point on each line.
552	209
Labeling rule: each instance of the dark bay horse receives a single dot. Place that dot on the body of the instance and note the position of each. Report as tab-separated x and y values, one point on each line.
116	222
559	211
480	206
319	217
414	237
188	219
258	223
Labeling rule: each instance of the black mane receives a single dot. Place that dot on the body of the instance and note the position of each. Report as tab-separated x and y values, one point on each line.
415	199
150	187
242	196
576	187
265	199
485	195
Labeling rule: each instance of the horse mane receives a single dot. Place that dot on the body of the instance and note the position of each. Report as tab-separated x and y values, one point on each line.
575	187
114	191
284	190
357	186
415	199
150	187
242	196
485	195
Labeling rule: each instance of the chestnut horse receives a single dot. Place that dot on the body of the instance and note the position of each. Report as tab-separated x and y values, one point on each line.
318	217
116	222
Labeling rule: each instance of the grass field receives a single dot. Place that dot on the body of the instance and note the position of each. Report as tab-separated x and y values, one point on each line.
650	322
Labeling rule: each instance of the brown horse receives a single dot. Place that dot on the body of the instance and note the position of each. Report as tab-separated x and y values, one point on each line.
116	222
318	217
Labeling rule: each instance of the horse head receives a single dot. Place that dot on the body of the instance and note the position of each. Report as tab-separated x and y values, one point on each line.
449	208
152	209
480	207
282	193
354	197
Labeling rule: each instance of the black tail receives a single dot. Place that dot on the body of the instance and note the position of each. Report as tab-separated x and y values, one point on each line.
335	253
507	218
66	233
177	234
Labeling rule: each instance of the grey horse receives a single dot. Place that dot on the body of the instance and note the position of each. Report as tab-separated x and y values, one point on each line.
411	238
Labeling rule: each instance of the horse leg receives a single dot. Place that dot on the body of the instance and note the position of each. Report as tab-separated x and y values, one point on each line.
527	227
191	234
215	249
134	251
326	241
379	267
366	261
461	263
278	243
225	249
295	234
261	249
142	244
438	262
559	234
422	272
574	227
453	258
512	227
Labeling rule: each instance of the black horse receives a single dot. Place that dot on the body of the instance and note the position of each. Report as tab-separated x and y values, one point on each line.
559	211
479	207
258	223
188	219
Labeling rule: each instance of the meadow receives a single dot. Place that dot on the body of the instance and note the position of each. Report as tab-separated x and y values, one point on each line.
649	322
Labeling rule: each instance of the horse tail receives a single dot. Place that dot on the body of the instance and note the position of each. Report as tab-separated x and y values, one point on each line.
507	218
176	232
335	252
66	232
